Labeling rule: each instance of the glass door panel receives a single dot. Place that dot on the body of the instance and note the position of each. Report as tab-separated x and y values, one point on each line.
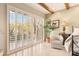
12	30
35	29
31	29
25	29
19	29
39	28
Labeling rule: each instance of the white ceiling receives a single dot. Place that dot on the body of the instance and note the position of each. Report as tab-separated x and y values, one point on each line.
52	6
55	6
59	6
73	4
38	7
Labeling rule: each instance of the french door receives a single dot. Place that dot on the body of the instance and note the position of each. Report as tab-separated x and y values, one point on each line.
18	29
23	29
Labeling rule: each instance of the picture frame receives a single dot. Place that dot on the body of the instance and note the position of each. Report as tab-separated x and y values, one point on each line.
55	23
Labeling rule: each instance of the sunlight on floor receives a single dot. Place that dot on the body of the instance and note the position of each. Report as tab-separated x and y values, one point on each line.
42	49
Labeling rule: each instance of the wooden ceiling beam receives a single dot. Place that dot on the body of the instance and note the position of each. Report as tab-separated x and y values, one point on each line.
67	6
45	7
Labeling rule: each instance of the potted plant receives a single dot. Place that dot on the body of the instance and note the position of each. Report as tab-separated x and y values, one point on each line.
47	29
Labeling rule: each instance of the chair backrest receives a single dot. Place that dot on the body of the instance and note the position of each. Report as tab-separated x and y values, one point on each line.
75	40
75	30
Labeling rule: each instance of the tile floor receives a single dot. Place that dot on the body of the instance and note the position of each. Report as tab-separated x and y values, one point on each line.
42	49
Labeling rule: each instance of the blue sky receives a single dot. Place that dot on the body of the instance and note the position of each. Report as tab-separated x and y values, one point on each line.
19	17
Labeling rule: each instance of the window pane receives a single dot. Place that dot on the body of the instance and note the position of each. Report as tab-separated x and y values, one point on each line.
25	28
12	31
31	29
19	29
39	28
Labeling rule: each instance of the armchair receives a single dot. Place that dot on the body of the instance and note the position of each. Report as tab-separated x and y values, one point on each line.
56	41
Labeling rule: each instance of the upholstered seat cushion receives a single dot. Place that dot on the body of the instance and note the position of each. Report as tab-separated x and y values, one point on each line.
57	42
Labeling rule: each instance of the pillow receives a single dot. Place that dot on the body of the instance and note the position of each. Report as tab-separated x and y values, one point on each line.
60	38
76	31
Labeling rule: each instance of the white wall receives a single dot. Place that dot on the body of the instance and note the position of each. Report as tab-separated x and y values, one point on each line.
71	16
